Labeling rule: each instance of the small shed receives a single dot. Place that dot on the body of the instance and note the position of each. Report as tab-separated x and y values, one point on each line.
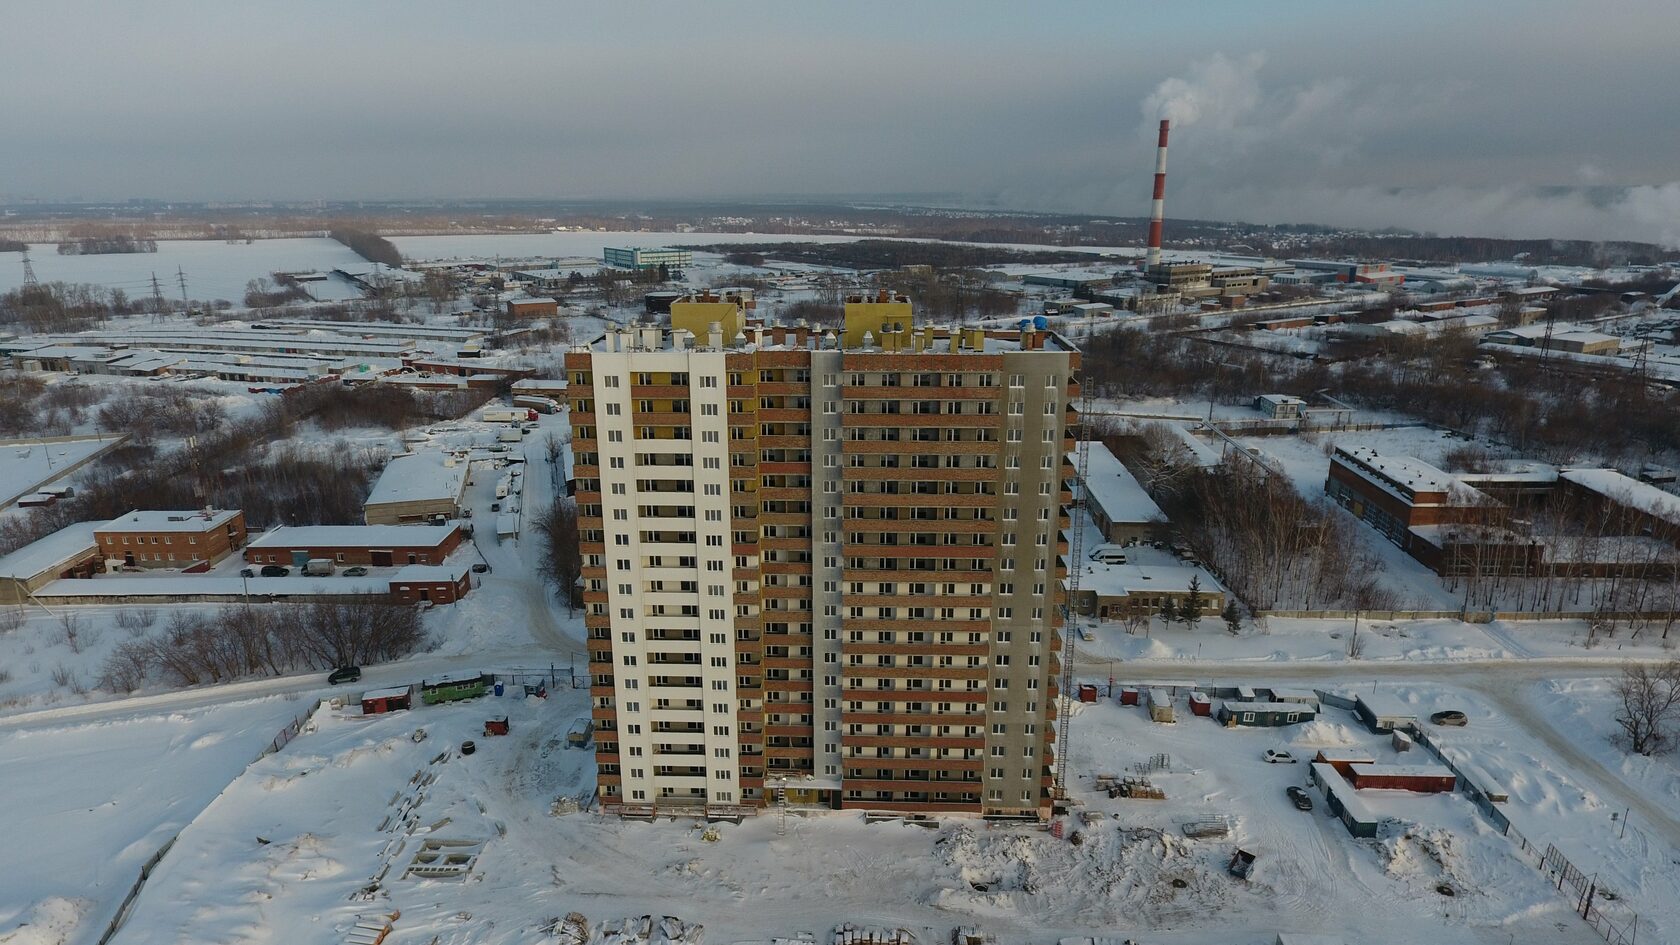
1343	759
1128	695
1160	706
378	701
1401	741
1382	713
1200	704
454	687
1422	779
1303	696
1343	802
1087	692
1264	714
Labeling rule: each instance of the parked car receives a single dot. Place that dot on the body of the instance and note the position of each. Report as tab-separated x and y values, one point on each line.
1299	797
1277	756
495	506
247	572
345	674
275	570
1451	717
357	571
480	568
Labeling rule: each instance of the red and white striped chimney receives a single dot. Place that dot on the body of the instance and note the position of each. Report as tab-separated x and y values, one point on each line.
1157	210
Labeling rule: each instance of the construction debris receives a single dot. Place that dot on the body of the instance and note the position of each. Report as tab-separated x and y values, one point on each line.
850	934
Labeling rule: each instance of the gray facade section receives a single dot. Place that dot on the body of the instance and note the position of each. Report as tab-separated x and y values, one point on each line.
1020	647
828	559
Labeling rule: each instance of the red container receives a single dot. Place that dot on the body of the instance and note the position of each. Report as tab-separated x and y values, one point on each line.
1087	692
1128	696
1200	704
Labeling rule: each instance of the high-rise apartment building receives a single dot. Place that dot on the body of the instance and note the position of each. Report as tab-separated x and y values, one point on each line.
824	563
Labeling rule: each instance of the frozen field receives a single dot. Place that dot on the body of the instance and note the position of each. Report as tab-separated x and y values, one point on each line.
215	269
86	805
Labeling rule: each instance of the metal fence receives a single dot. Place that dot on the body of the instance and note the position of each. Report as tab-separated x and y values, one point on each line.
1571	881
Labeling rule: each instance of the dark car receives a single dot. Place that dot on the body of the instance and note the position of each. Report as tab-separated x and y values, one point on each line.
1300	798
357	571
480	568
345	674
247	572
275	570
1451	717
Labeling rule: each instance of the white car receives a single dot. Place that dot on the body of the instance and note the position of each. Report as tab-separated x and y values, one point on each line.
1277	756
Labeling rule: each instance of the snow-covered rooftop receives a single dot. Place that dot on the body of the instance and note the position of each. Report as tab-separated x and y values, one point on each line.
390	693
418	573
164	521
1628	491
49	552
354	536
418	477
1115	490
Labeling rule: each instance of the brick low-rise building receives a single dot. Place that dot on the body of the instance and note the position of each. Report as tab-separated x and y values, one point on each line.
347	545
154	539
436	583
1397	494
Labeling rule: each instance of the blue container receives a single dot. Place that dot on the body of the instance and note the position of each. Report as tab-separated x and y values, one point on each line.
498	687
1040	322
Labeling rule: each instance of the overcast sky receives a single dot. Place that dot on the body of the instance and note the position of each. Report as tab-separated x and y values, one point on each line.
1491	117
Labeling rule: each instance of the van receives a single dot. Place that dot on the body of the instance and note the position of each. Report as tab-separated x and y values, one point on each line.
1108	554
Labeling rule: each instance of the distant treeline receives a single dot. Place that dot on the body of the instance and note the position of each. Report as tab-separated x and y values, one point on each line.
894	254
106	245
1456	249
368	245
12	246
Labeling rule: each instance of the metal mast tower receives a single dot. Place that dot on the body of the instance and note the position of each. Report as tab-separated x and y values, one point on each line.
28	270
1076	552
181	276
158	305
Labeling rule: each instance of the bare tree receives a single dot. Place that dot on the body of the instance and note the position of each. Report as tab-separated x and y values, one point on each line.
1650	703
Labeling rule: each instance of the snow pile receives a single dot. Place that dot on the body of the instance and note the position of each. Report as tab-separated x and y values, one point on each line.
1423	857
1144	874
52	921
1320	733
645	930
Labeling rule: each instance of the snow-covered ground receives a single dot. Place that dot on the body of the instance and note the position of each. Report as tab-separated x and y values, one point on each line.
85	805
284	853
1294	639
214	269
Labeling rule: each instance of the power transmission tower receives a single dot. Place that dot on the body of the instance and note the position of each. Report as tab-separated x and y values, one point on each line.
158	306
181	277
1076	565
28	270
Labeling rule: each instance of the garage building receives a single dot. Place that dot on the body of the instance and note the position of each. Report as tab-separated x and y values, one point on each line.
372	545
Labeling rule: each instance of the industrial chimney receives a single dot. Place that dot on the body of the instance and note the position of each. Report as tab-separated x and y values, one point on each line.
1158	209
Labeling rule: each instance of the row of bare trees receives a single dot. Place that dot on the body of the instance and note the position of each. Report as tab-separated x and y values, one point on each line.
195	648
1528	403
1271	546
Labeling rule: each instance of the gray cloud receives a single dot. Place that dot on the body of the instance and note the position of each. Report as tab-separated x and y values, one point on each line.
1450	118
